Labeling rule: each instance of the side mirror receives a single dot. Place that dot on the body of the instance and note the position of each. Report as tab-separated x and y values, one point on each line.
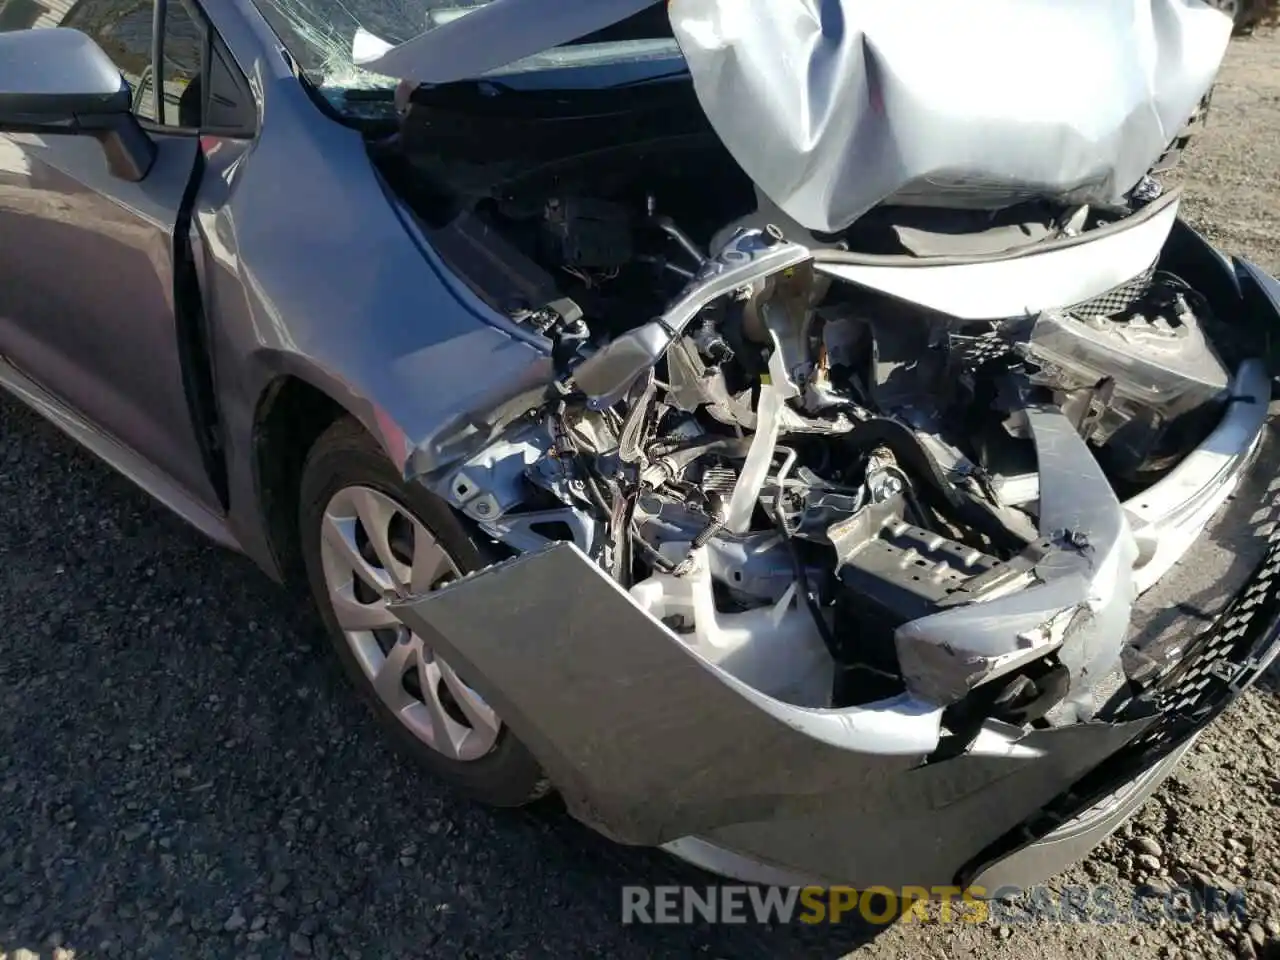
58	81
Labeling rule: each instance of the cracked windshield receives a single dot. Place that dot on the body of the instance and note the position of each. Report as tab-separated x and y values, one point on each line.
331	38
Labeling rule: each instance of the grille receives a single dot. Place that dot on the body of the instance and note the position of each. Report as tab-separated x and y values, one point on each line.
974	352
1117	299
1223	660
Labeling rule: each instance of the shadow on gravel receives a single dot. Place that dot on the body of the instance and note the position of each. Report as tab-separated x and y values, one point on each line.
183	773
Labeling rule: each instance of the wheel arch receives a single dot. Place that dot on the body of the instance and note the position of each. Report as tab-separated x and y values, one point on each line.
290	415
414	404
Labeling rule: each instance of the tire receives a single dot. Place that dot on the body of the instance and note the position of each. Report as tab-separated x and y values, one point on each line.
346	457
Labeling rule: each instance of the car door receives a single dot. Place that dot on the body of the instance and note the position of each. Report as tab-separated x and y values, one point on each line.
89	308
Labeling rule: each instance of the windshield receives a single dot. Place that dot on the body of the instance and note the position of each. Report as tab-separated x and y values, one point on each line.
330	38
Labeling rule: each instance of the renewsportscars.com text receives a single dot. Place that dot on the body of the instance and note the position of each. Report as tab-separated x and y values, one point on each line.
740	904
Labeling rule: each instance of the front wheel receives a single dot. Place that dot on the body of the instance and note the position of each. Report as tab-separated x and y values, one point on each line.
367	535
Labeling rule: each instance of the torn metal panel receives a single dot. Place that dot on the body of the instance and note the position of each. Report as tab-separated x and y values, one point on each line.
489	399
930	101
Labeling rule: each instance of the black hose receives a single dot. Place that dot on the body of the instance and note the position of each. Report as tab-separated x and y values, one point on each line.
716	519
913	504
668	226
593	488
732	448
654	556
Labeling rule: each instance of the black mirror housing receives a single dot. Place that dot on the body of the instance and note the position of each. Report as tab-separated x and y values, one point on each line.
59	81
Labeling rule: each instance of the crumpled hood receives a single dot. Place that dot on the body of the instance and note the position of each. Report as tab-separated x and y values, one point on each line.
833	106
491	36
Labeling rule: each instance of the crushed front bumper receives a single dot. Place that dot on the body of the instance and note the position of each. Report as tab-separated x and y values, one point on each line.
652	745
1209	672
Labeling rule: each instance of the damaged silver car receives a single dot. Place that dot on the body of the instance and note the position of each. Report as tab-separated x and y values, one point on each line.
802	434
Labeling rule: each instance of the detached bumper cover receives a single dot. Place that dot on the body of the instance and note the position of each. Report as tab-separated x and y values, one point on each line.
650	744
653	746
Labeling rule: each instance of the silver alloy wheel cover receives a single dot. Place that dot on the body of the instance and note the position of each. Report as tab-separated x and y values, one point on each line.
427	717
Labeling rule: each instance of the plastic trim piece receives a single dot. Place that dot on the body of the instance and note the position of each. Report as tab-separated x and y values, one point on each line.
1047	275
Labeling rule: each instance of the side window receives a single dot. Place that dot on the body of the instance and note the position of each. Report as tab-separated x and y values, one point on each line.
184	47
21	14
122	28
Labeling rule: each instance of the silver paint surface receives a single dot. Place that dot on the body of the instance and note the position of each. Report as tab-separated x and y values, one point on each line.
866	101
929	100
649	744
310	270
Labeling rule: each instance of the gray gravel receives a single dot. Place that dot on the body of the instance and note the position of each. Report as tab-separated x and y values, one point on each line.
183	773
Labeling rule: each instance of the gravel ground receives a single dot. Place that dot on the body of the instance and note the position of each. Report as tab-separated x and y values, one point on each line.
183	773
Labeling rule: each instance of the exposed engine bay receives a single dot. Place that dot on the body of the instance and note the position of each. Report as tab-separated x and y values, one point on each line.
903	458
791	471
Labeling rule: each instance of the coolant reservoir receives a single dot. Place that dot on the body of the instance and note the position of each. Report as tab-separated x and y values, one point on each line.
775	649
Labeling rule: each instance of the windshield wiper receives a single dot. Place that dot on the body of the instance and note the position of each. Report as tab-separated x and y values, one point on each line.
367	94
656	78
489	87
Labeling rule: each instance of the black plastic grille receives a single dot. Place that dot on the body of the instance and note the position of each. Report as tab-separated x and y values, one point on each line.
1223	659
1219	664
972	352
1117	299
